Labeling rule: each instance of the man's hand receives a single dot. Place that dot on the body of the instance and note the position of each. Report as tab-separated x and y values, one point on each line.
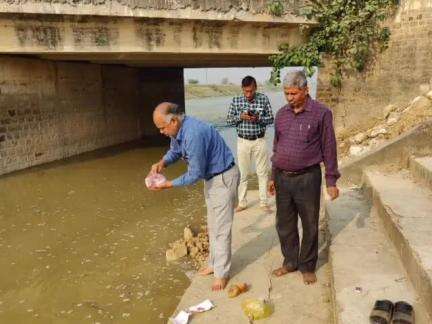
166	185
271	188
333	192
157	167
246	116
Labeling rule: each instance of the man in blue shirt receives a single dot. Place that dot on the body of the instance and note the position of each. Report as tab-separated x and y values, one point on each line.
208	158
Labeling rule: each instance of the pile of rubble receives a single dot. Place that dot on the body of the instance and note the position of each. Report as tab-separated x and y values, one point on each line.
196	247
395	121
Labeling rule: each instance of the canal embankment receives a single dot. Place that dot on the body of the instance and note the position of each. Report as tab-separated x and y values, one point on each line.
256	252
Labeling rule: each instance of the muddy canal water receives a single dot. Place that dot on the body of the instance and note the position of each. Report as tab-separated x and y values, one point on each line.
83	240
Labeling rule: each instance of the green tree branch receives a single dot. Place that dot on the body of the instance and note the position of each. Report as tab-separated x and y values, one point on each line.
349	32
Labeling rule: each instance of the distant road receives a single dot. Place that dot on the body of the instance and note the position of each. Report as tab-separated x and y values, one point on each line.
193	91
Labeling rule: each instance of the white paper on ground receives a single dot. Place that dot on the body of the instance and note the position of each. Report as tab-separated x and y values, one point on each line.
183	316
201	307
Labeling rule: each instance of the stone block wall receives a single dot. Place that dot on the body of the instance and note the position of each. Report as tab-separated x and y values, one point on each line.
53	110
401	73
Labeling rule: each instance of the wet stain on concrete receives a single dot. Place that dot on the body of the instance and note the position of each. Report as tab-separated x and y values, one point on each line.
151	33
46	36
209	32
267	34
197	40
99	36
177	29
234	36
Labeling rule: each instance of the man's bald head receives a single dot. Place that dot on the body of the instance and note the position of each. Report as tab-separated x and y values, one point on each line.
168	118
165	108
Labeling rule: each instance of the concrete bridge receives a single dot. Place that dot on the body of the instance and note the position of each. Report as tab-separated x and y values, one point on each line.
147	33
80	75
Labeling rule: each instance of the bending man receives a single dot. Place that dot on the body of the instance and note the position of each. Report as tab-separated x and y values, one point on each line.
208	158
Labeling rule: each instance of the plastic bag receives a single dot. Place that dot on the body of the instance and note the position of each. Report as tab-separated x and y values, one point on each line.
256	309
154	180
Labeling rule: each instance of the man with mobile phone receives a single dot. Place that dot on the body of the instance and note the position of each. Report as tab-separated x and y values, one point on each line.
251	113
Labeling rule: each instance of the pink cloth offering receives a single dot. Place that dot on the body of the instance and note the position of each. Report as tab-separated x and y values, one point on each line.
154	180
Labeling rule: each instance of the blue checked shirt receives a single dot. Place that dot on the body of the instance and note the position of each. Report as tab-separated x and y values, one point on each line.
203	149
260	105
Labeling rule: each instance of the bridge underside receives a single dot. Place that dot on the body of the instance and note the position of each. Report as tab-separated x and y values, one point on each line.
164	60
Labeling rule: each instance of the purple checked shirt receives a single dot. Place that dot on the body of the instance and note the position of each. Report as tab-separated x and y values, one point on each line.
305	139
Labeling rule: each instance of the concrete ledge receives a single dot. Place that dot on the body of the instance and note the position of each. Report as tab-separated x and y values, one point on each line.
405	209
417	141
365	264
421	169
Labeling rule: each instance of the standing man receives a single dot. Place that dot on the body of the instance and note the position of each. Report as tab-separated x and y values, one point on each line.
250	114
304	137
208	158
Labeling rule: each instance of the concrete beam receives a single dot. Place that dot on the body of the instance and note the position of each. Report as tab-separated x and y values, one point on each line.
145	42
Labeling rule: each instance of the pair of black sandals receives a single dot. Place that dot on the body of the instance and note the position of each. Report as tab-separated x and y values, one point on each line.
385	312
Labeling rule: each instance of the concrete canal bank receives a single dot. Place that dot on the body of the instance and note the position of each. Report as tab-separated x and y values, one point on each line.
256	252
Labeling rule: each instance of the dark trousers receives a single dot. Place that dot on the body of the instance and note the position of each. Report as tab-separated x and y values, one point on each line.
298	195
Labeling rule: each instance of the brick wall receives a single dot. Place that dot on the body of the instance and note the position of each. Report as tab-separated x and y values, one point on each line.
52	110
397	76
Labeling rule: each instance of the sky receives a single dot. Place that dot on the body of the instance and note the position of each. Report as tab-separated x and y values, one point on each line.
235	75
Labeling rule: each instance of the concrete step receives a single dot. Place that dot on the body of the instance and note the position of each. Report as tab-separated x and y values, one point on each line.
406	210
365	264
421	169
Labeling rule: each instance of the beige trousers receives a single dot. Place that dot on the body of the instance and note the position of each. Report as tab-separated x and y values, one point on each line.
247	151
220	195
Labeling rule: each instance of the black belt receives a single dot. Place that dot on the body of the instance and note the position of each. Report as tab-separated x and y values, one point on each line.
298	172
216	174
253	137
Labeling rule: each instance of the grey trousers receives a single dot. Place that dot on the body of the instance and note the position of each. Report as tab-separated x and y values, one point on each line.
220	194
298	196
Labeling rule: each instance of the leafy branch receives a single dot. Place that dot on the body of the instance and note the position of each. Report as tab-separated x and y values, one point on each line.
349	32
